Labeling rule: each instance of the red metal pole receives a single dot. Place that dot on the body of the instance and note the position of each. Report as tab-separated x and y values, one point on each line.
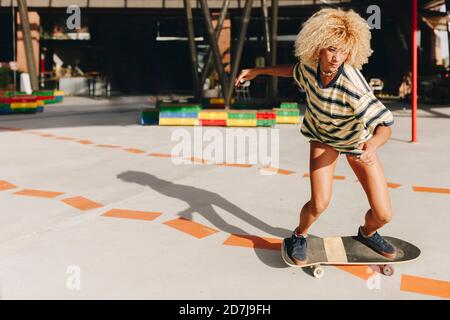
414	70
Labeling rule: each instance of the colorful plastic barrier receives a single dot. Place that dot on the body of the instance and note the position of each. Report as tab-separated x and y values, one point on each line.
178	114
178	122
289	105
19	104
265	118
59	96
287	116
212	117
241	118
47	96
149	117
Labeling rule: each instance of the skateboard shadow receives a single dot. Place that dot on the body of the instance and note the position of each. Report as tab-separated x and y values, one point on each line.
201	202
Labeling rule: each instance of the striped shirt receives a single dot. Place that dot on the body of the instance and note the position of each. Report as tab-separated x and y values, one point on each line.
342	114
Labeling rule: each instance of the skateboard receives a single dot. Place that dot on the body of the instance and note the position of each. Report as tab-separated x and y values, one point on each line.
349	251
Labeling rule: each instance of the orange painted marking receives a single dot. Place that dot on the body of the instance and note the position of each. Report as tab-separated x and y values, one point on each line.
38	193
240	165
162	155
197	160
135	151
46	135
426	286
11	129
81	203
65	138
107	146
85	142
432	190
306	175
132	214
253	242
363	272
279	171
5	185
389	185
193	228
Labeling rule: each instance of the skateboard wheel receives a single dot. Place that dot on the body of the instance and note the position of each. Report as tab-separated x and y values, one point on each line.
318	272
387	270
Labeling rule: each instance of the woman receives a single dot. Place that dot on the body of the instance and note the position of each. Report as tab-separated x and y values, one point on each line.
342	117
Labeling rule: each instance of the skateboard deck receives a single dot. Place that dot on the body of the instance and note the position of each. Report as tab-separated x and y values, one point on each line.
349	251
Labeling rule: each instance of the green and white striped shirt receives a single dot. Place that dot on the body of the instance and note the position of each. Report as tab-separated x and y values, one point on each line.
342	114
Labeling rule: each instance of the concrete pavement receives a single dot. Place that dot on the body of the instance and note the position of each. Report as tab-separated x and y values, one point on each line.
91	205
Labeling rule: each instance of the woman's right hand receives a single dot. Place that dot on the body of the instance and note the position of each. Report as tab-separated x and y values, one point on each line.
246	75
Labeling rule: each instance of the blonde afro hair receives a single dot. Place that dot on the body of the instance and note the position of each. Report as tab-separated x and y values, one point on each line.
337	28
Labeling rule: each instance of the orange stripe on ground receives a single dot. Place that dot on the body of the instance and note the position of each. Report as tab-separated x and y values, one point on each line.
135	151
432	190
363	272
107	146
85	142
306	175
132	214
11	129
240	165
389	185
162	155
197	160
5	185
81	203
426	286
193	228
46	135
38	193
253	242
65	138
279	171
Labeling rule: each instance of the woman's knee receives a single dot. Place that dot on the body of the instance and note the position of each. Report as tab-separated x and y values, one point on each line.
318	206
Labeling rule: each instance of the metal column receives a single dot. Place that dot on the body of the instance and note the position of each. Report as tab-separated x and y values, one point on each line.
238	53
223	14
29	54
273	52
215	47
414	70
192	49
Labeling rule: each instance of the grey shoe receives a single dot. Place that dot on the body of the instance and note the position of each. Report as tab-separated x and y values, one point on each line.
378	243
296	248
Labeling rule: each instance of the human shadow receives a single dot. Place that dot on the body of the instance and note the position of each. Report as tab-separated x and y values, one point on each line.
202	201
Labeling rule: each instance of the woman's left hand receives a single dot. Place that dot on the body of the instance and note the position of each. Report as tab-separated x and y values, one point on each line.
368	156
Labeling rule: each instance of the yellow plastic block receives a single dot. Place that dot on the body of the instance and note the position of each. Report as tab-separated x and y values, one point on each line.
288	120
24	105
213	115
241	122
58	93
178	121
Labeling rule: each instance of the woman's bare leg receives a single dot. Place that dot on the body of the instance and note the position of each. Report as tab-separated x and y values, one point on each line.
374	183
322	165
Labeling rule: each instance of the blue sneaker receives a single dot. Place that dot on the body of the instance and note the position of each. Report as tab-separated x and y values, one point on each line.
296	249
378	243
